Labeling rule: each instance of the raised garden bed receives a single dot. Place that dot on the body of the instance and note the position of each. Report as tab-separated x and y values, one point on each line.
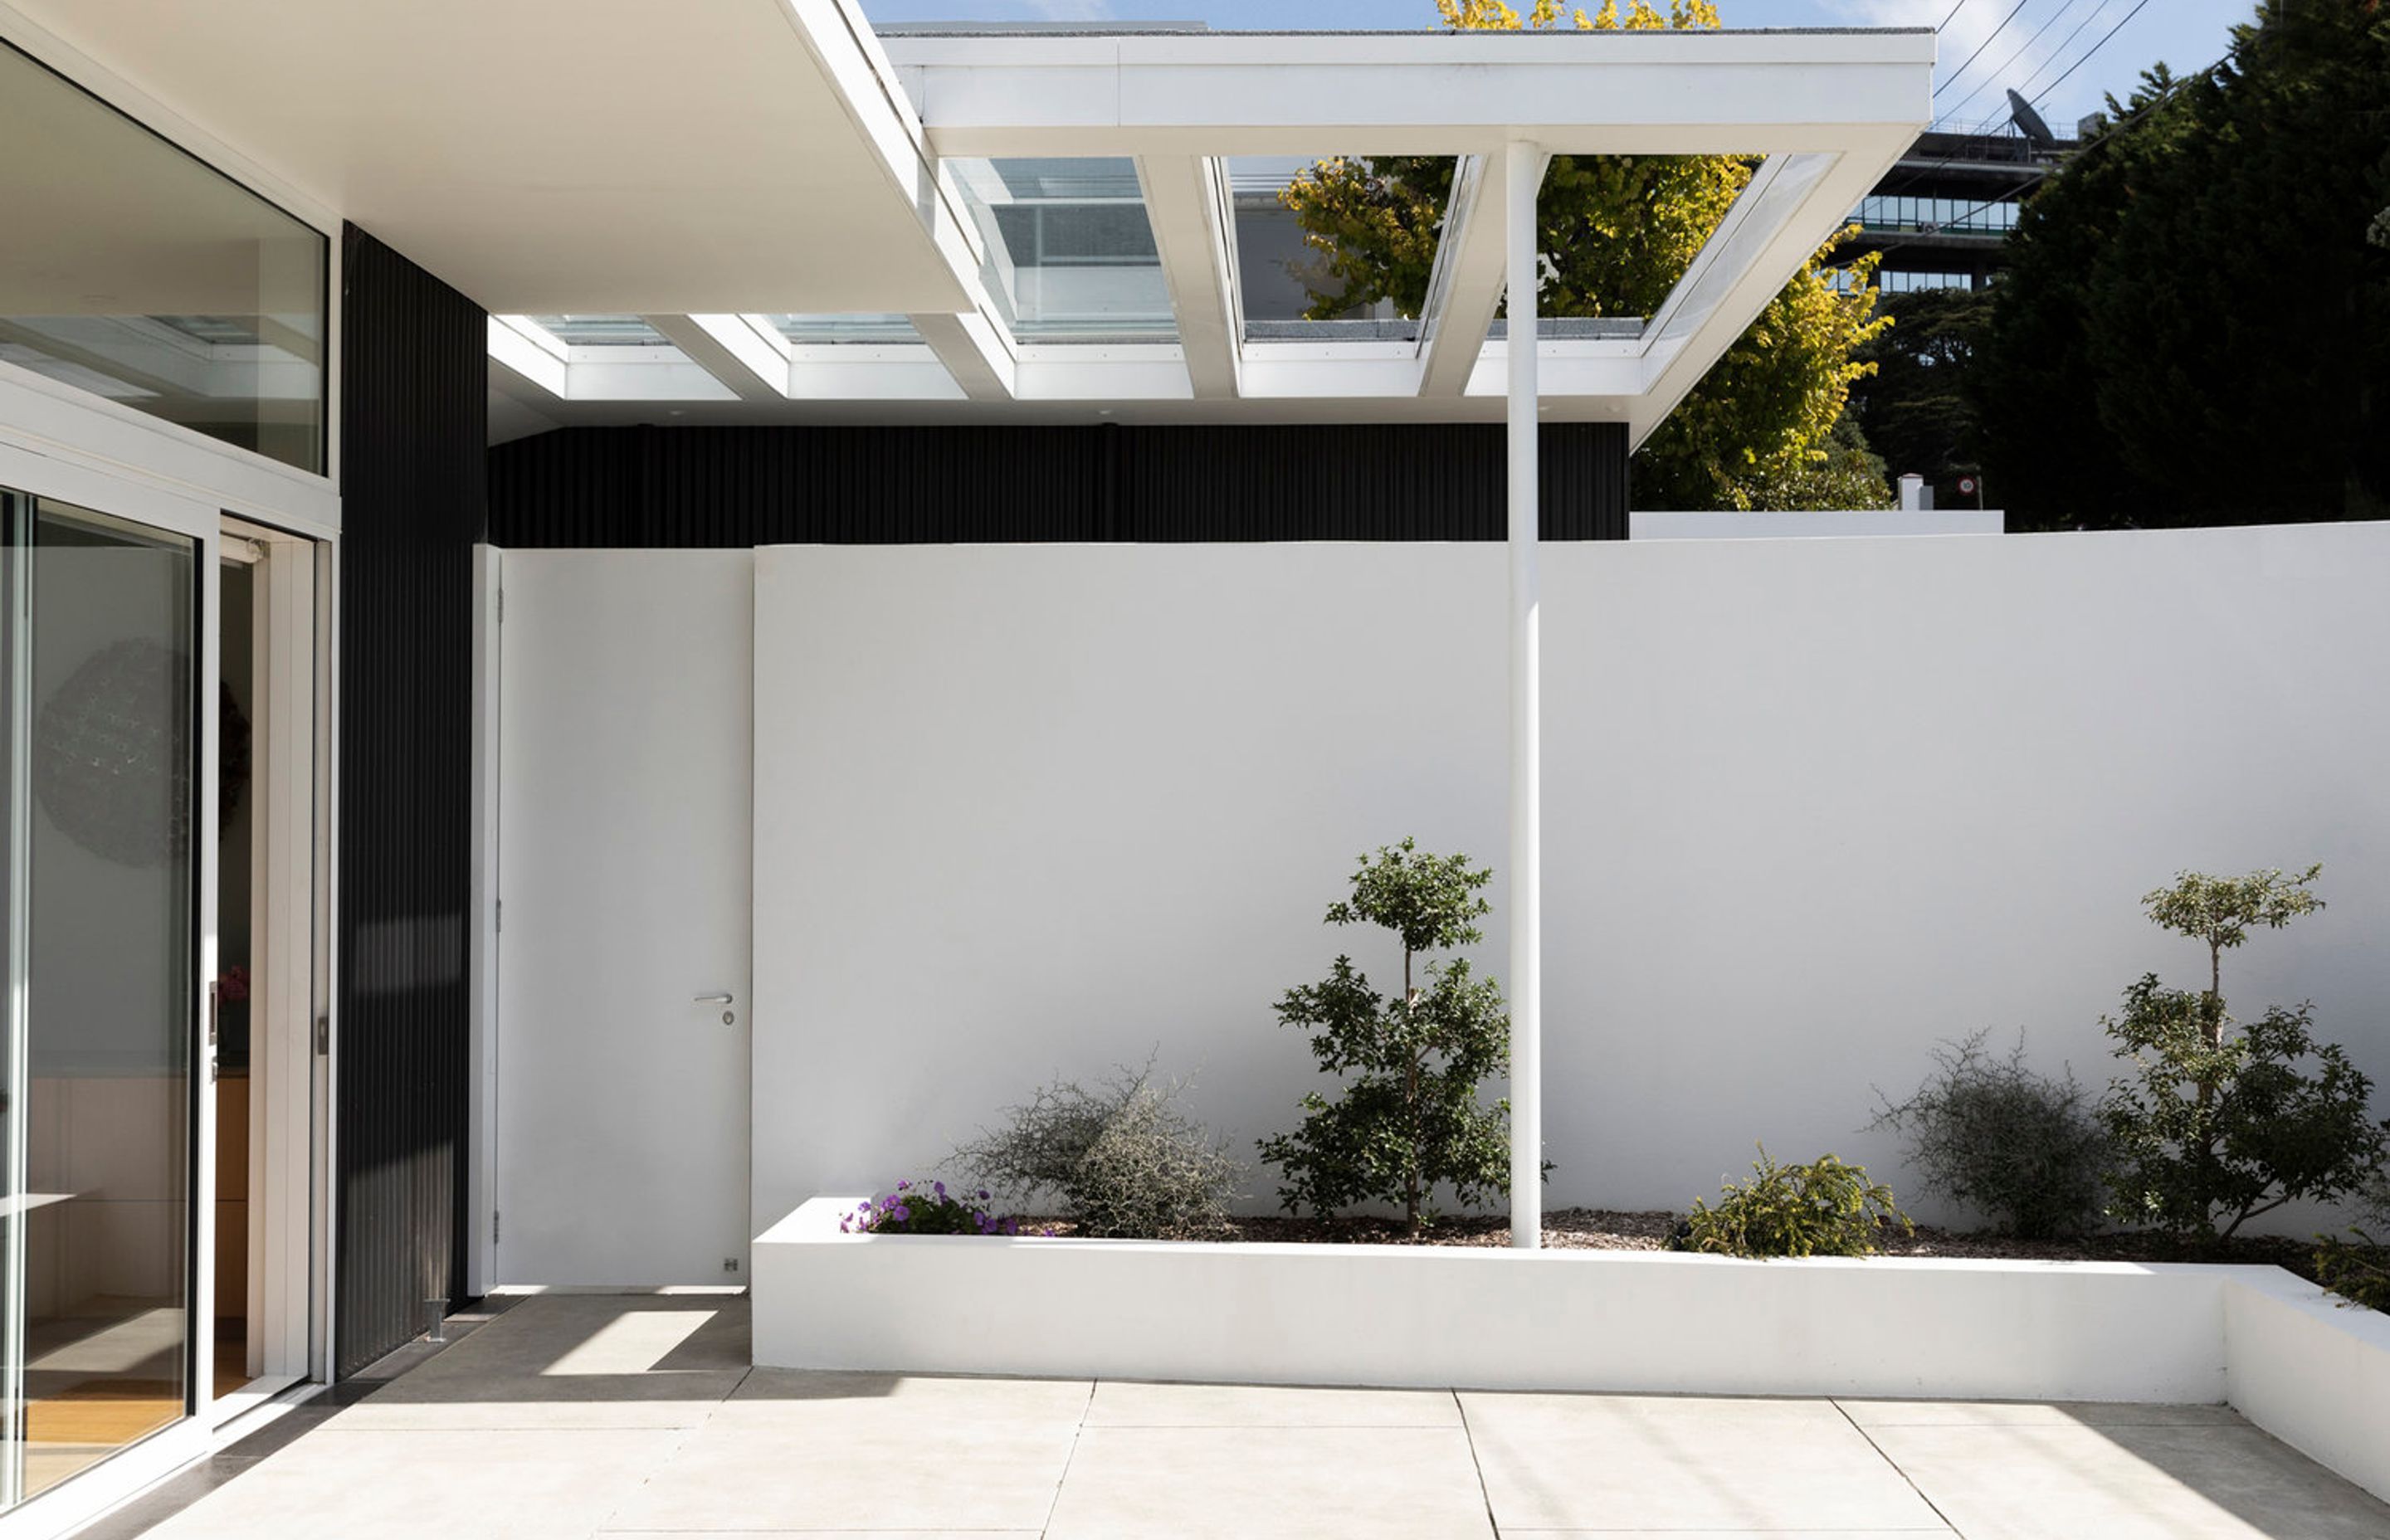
1486	1316
1648	1230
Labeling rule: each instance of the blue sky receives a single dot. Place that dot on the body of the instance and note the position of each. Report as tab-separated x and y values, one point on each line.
2026	37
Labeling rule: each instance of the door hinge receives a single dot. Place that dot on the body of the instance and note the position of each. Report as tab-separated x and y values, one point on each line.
493	1226
324	1035
502	606
500	921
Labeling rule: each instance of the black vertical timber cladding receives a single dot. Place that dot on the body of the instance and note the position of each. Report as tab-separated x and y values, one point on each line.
837	485
414	372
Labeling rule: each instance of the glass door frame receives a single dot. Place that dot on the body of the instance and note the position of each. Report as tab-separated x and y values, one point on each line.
188	1437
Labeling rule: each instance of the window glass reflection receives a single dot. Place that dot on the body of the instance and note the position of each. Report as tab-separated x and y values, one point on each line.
133	272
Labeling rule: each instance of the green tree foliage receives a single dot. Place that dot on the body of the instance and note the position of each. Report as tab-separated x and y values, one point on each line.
2194	328
2356	1266
1828	1207
1410	1119
1915	409
2224	1120
1616	233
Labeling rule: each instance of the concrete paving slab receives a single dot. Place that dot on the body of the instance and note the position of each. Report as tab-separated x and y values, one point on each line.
1598	1462
2144	1482
540	1485
807	1396
1270	1484
2059	1413
828	1468
573	1361
1125	1404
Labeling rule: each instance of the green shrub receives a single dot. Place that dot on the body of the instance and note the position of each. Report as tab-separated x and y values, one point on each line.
2356	1266
1123	1160
2017	1147
1410	1119
2220	1120
1828	1207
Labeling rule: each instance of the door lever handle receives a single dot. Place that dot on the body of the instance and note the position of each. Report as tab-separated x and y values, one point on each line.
722	999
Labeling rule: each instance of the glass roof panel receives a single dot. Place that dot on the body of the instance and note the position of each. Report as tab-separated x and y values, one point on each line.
601	331
1070	256
857	327
1286	268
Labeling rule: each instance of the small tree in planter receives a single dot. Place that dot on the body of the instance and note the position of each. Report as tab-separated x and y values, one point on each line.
2218	1120
1410	1118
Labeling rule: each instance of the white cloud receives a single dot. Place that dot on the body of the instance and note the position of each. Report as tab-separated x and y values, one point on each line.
1072	10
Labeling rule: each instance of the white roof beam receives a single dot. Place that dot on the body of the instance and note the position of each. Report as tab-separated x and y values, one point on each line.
1465	289
974	350
522	364
731	350
1187	199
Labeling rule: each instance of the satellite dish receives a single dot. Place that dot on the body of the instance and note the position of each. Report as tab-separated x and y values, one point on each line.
2030	124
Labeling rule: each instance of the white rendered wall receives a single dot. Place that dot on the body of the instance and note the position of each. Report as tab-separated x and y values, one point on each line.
1810	806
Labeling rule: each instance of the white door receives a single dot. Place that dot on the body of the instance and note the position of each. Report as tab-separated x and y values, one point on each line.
623	852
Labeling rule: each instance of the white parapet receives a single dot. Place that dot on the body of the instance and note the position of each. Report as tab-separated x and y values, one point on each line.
2314	1374
1802	523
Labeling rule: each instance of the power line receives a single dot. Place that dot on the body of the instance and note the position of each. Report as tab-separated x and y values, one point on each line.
1945	21
2060	52
2079	63
2084	148
2011	59
1954	75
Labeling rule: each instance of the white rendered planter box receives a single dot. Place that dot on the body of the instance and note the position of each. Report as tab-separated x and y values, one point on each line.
2274	1346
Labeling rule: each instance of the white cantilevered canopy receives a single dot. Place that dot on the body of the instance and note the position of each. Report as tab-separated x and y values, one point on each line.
754	176
1145	125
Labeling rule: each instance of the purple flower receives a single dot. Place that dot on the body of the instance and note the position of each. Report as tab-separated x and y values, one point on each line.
904	1214
902	1184
982	1195
940	1186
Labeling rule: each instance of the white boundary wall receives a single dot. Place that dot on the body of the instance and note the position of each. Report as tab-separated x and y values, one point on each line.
2315	1375
1810	806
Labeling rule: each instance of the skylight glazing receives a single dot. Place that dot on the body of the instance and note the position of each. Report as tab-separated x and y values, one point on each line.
1070	254
857	327
601	331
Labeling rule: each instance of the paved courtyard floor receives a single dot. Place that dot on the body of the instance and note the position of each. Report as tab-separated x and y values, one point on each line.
569	1416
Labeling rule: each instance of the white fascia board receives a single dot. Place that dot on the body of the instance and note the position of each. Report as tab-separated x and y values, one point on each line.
1566	370
730	349
1301	372
1186	200
865	371
1423	93
616	375
850	56
1465	288
1087	372
513	349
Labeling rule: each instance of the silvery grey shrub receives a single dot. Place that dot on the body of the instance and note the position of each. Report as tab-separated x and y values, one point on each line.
1123	1160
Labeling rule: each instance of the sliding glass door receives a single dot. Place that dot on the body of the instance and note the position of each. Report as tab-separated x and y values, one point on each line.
99	648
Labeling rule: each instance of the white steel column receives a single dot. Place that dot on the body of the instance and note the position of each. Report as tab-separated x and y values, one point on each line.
1523	169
